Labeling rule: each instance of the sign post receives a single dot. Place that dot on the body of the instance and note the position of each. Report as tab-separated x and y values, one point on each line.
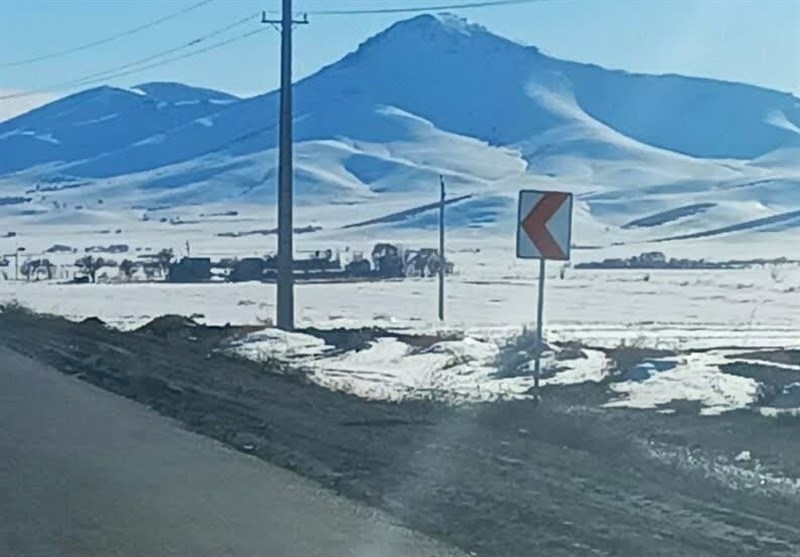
544	231
441	248
537	370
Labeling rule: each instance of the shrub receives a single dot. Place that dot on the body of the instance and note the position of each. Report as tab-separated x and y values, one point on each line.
513	359
16	307
627	354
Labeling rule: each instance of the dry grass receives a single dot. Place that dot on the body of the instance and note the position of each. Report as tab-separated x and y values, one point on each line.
627	354
514	357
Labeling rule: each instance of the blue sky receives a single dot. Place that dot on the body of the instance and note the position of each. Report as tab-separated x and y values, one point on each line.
754	41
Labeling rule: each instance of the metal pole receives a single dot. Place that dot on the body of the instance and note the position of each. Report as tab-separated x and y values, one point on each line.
16	265
285	286
539	321
441	249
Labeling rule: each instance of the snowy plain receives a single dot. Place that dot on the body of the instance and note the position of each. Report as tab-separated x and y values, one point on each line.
701	315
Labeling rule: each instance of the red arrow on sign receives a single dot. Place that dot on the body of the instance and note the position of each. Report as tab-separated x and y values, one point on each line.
535	225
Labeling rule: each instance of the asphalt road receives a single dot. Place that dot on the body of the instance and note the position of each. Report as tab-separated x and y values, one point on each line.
84	472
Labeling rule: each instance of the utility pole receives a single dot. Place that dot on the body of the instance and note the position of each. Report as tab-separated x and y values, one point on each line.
441	248
16	262
285	286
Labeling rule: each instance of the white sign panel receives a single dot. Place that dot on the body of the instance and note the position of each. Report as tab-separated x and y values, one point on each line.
544	225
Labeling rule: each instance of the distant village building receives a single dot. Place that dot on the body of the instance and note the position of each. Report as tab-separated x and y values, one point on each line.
190	269
247	269
653	258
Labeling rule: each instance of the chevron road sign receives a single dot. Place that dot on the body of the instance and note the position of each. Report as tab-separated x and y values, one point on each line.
544	231
544	228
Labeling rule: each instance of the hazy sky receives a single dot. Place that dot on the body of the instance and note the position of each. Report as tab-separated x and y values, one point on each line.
754	41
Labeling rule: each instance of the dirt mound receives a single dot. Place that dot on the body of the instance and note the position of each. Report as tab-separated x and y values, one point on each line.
93	322
181	330
423	342
167	326
359	339
348	339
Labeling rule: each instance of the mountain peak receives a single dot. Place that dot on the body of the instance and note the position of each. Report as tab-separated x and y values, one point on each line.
443	27
431	35
445	21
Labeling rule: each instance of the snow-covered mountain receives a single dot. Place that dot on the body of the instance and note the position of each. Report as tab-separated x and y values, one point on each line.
434	95
88	124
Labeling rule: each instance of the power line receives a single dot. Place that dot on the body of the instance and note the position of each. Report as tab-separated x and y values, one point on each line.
414	9
164	62
193	42
190	54
102	75
115	71
108	39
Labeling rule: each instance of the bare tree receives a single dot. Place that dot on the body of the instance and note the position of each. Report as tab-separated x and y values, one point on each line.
26	269
89	265
34	268
164	259
127	268
49	268
149	270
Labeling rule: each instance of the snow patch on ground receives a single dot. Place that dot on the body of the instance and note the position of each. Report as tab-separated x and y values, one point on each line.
456	371
275	343
465	370
771	412
695	377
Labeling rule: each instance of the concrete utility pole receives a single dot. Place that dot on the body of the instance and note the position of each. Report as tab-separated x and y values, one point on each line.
441	249
16	262
285	287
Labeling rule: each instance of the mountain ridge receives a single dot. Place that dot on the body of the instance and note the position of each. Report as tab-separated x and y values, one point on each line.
370	76
428	96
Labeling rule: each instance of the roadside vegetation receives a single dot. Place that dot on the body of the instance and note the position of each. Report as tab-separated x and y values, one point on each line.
628	354
515	356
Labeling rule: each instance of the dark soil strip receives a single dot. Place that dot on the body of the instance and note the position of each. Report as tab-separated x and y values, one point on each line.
769	375
784	356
